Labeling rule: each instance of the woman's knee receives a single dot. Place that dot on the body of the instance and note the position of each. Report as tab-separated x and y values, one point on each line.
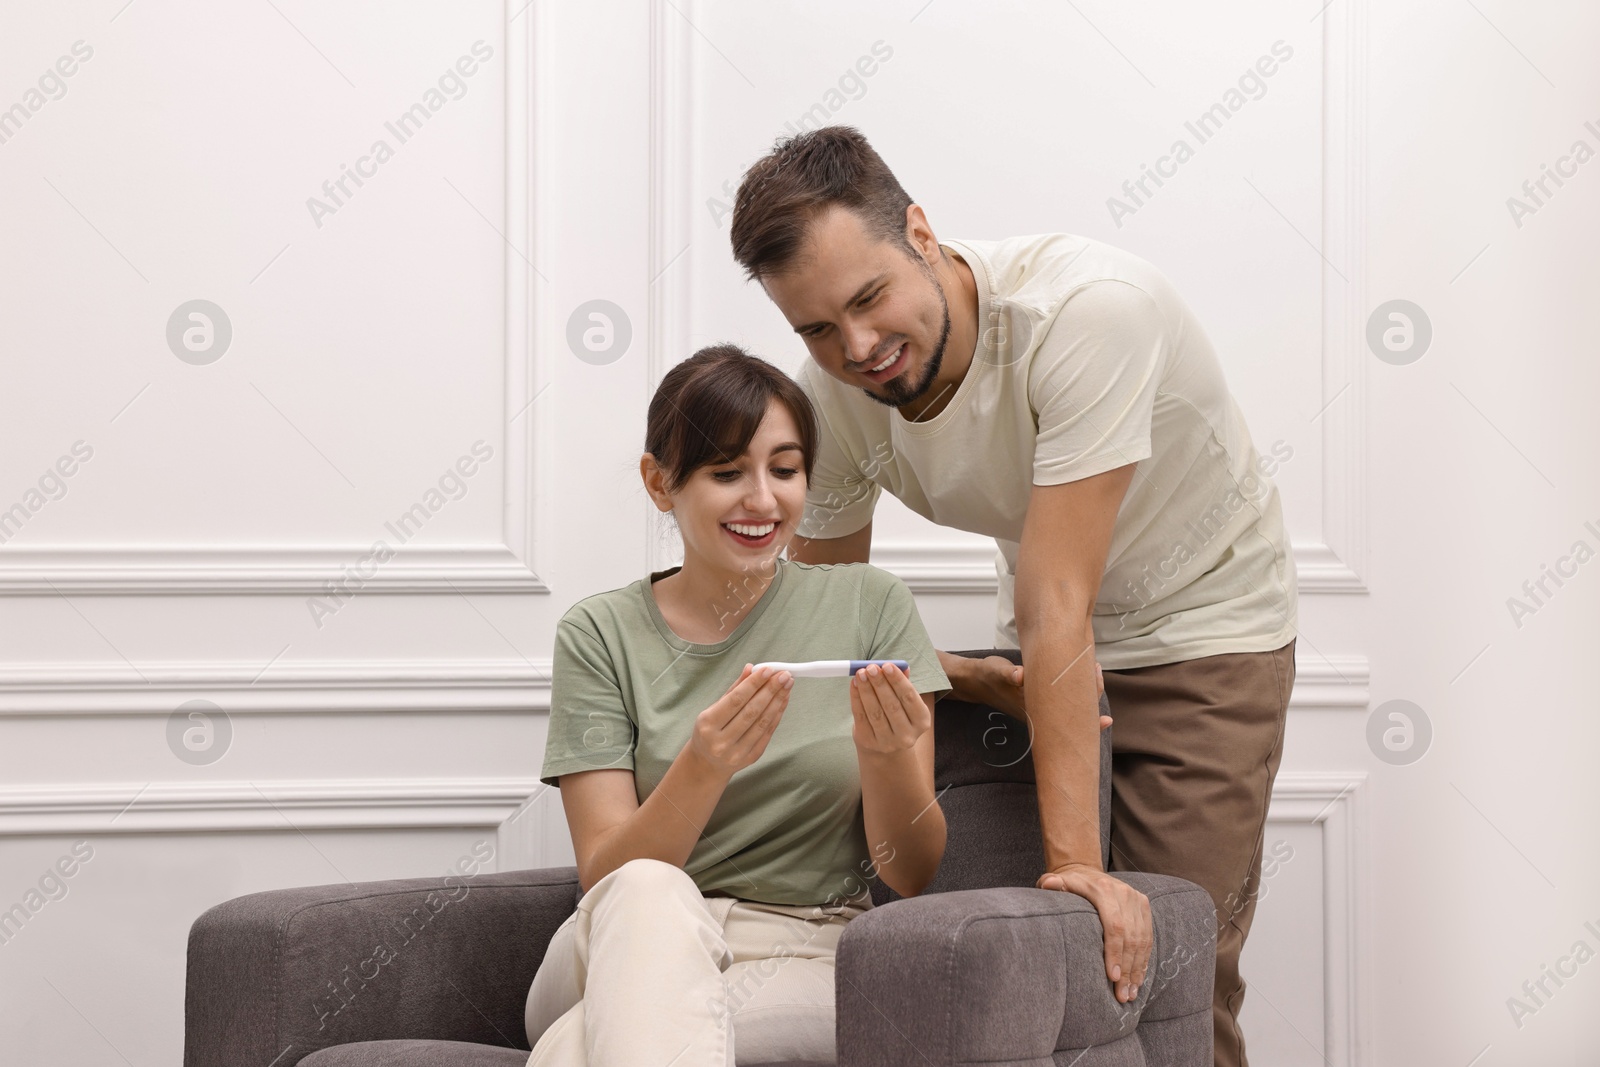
645	878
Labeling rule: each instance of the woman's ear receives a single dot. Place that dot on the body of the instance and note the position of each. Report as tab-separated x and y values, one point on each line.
655	482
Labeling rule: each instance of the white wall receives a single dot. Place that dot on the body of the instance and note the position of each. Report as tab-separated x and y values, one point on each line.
586	159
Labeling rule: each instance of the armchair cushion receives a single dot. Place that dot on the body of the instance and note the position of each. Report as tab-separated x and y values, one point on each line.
276	976
1015	976
414	1053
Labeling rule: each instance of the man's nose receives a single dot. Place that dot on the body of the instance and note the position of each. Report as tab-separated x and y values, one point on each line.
859	342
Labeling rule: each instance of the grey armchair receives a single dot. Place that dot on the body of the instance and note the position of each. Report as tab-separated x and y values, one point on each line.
980	968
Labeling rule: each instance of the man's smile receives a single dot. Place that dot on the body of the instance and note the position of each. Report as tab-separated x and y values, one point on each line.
890	366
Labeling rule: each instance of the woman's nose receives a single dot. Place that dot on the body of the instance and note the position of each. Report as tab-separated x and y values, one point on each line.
759	496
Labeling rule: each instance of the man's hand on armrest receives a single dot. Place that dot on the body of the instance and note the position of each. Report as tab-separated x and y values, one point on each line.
996	682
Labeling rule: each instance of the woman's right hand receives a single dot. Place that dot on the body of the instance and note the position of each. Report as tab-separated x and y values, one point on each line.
733	733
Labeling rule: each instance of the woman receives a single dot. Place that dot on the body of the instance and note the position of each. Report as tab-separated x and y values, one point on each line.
726	820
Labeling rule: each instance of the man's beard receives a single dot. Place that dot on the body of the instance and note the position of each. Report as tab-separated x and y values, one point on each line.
900	393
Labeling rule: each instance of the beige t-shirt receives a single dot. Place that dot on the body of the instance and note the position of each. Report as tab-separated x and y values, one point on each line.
1087	360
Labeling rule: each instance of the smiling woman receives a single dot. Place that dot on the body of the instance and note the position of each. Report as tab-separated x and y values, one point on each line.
720	815
729	441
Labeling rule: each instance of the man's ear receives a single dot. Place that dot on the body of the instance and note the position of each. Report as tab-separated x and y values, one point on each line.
921	236
655	482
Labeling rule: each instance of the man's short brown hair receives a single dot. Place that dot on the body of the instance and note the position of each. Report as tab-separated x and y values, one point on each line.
801	177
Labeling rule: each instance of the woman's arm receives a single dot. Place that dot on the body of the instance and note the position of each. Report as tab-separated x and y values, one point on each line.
894	747
610	827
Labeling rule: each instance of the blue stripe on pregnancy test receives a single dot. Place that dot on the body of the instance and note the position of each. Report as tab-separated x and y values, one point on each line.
857	664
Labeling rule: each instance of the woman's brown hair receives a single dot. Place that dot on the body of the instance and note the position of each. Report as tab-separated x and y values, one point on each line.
708	408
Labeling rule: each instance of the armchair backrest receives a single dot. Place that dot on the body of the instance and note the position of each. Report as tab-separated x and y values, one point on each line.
984	771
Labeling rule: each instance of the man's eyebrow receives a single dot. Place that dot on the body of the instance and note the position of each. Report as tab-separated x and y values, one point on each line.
854	297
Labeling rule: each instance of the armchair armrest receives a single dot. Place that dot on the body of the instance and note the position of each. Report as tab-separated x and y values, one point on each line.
1014	976
275	976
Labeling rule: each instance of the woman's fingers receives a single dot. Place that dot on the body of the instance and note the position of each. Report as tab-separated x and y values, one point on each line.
867	709
892	705
739	693
761	711
767	686
911	715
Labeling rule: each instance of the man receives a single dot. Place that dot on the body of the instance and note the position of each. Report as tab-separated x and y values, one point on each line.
1056	394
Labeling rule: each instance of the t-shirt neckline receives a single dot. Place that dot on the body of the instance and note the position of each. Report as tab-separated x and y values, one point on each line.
980	278
694	648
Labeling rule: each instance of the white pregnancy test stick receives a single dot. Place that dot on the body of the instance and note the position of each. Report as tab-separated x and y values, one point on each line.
829	668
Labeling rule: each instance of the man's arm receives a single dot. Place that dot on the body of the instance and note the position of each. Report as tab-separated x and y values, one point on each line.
851	548
1066	537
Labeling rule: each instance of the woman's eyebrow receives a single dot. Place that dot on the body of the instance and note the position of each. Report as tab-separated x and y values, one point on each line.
787	446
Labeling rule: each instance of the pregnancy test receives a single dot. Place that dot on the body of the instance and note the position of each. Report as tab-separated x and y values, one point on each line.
830	668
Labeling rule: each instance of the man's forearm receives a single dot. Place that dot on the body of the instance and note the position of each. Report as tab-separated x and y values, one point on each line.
1063	705
955	668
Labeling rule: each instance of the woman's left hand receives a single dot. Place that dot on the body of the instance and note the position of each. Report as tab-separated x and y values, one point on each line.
889	712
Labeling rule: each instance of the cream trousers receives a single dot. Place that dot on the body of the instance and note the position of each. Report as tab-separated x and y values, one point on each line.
649	972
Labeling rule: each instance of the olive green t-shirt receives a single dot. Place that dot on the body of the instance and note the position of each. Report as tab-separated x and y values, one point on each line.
789	828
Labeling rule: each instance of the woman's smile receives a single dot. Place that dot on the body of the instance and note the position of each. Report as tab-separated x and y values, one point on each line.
756	535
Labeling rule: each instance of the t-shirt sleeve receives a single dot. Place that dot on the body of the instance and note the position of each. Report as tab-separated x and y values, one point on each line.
840	498
1092	382
898	633
590	728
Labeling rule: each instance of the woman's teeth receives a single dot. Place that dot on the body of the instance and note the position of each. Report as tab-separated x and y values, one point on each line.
751	531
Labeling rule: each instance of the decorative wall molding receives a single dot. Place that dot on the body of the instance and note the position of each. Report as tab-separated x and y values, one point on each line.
1338	563
118	688
114	687
526	312
208	569
1334	802
1332	683
288	568
671	200
929	567
221	806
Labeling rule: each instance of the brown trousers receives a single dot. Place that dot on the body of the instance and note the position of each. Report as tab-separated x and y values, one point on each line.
1195	747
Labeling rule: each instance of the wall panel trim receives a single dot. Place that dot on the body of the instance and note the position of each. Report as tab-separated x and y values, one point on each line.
224	806
1333	803
118	688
